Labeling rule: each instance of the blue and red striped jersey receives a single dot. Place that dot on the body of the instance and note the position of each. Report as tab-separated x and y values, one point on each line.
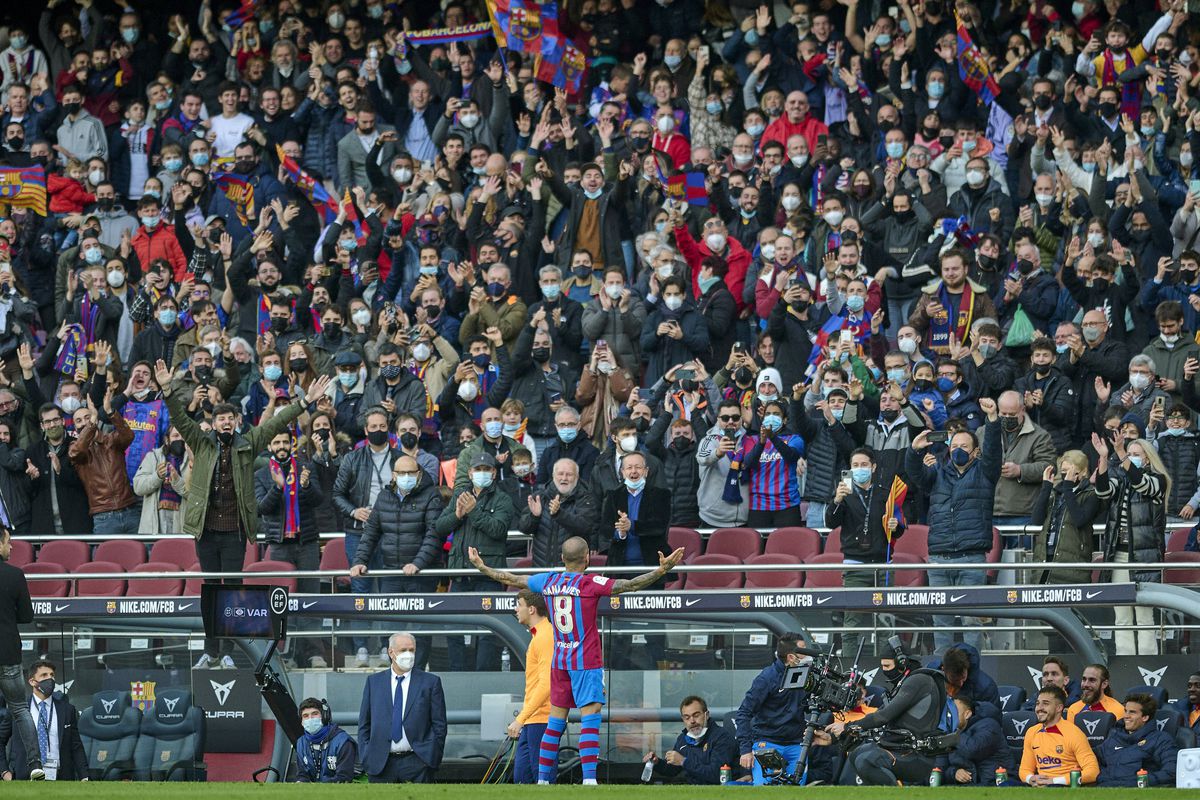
571	599
773	483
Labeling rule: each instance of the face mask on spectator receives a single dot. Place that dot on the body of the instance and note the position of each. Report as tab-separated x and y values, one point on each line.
469	120
635	485
861	475
960	456
93	255
482	479
468	391
772	422
200	159
975	177
1137	461
272	372
935	89
567	435
421	351
389	372
1138	380
855	303
628	443
1185	158
834	218
768	250
377	438
167	317
361	317
406	483
895	149
755	129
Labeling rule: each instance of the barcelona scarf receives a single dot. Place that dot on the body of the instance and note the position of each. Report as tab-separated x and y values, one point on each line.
264	314
168	498
242	14
239	191
431	36
1131	91
894	509
291	496
311	188
820	342
973	67
69	351
939	325
24	187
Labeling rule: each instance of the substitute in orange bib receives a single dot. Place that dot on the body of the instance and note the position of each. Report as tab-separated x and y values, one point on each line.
1054	748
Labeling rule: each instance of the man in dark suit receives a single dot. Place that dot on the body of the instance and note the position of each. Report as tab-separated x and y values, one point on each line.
635	517
405	709
57	741
16	608
57	489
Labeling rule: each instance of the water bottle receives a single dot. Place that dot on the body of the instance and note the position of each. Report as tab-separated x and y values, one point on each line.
505	661
935	777
1143	779
648	771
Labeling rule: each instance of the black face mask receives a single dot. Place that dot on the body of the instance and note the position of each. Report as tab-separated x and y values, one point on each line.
889	414
204	374
1163	55
332	330
639	143
923	386
1010	424
377	438
1025	266
16	143
225	438
432	312
298	364
946	141
681	442
408	440
105	204
1043	102
1108	109
742	376
244	166
582	273
642	424
986	263
278	325
72	108
904	216
1100	284
175	448
541	354
1041	370
439	64
801	305
46	687
893	675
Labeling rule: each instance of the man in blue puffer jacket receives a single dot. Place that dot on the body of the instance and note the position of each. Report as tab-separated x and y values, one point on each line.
961	664
1138	745
981	745
961	494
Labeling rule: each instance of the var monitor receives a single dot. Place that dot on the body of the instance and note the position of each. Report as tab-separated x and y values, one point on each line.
236	611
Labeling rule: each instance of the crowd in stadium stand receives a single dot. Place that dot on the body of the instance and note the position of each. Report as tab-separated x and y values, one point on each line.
303	267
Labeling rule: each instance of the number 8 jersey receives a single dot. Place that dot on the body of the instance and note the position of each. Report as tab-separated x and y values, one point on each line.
571	599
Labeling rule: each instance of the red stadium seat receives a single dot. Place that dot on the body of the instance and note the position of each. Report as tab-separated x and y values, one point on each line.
824	579
22	553
333	556
125	552
180	552
67	553
713	580
1176	541
191	586
1183	577
741	543
99	587
54	588
688	539
271	566
833	542
597	560
774	579
155	587
800	544
914	542
252	555
908	577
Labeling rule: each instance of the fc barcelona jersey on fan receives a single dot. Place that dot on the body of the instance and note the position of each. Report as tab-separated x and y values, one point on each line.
571	599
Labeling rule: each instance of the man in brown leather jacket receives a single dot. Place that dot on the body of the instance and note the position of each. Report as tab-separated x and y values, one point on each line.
98	455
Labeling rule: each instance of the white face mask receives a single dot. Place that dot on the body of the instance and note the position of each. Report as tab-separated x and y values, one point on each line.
834	218
715	242
1095	239
116	278
469	120
361	317
628	443
406	660
768	251
673	302
613	290
665	124
975	177
468	391
402	175
799	161
907	345
791	202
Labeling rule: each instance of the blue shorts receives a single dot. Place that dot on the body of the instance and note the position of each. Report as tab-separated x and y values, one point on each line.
576	688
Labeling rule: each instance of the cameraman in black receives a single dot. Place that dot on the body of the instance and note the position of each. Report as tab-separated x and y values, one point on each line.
769	718
915	705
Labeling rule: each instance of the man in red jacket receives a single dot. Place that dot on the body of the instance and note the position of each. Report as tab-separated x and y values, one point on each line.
795	121
717	242
156	239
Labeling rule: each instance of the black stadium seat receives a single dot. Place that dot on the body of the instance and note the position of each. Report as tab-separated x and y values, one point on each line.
1015	725
1011	697
1168	720
1095	725
170	746
1159	693
109	730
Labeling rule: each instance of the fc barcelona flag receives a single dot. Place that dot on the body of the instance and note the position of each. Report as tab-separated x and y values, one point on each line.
688	187
972	67
317	195
352	218
238	191
533	27
24	187
242	14
895	505
564	68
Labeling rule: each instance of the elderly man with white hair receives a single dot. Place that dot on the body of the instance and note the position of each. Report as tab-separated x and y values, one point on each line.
559	509
402	721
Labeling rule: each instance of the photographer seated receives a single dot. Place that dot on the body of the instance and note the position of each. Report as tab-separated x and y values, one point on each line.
915	705
981	746
324	752
1054	747
770	719
703	747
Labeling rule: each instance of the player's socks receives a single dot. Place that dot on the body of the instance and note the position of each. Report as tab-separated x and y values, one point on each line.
590	782
548	753
589	745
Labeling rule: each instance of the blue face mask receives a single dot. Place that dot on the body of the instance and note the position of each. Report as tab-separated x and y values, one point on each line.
751	38
772	422
347	379
1147	131
945	385
713	108
935	90
960	457
429	270
635	486
837	413
895	149
672	61
312	725
167	317
1061	348
551	291
162	105
349	245
755	130
406	483
273	372
883	40
661	227
567	435
1089	166
708	283
200	159
896	375
174	165
149	222
1174	432
482	479
855	302
592	195
1137	461
493	429
861	474
405	67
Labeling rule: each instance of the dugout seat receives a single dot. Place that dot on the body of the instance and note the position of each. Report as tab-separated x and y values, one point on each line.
170	744
915	541
109	731
22	552
741	543
47	588
1159	693
271	566
333	557
126	552
799	543
1011	697
1168	720
1015	724
67	553
713	580
99	587
1177	540
908	577
180	552
824	579
833	542
1095	725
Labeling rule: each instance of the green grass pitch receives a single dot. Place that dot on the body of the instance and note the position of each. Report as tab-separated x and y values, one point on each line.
245	791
